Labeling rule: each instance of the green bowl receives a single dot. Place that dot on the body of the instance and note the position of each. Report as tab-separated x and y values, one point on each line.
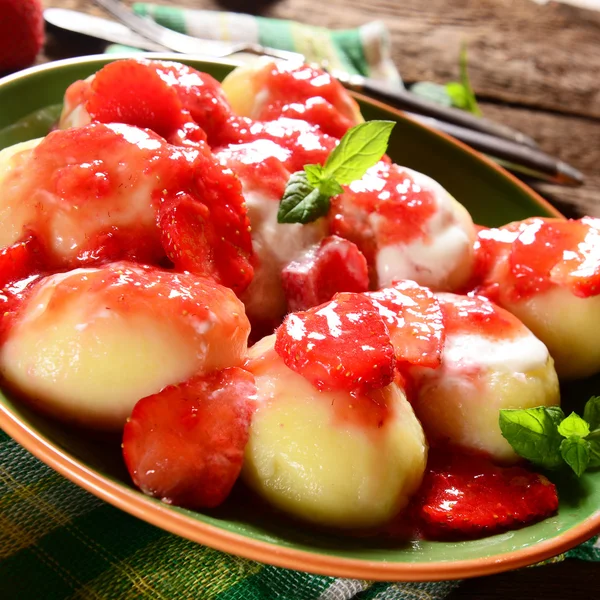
493	197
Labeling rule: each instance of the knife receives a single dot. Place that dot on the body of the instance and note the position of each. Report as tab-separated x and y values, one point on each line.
516	156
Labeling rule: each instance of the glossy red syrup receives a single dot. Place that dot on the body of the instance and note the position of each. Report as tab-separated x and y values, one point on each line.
385	207
532	256
414	320
477	316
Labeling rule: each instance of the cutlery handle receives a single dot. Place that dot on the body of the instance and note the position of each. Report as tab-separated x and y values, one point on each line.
516	157
405	100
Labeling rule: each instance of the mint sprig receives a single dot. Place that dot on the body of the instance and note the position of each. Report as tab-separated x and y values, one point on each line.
548	439
307	194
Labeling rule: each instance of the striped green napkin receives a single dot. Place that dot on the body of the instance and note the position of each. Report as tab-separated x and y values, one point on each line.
57	541
364	51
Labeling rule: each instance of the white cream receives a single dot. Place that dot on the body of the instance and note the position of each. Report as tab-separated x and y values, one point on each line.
275	245
441	258
518	355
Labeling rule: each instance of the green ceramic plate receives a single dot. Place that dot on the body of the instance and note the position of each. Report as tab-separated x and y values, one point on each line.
493	197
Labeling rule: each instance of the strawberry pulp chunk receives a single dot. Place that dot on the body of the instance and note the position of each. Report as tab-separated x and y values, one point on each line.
334	265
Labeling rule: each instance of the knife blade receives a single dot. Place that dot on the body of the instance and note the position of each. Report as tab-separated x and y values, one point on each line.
97	27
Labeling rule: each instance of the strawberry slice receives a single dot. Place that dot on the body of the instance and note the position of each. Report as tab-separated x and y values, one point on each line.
17	264
340	345
133	92
192	236
185	445
468	496
415	322
20	260
334	265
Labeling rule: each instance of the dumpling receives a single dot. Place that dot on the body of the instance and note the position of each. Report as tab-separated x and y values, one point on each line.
408	227
332	458
86	345
547	273
490	361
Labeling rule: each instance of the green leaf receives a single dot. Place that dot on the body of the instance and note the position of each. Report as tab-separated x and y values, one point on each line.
314	174
574	425
576	453
330	187
594	453
359	149
591	412
458	95
533	433
301	202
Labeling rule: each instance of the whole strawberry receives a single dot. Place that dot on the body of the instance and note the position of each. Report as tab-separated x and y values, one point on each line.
21	32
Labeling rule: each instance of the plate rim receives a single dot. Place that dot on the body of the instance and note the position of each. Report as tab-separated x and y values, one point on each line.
138	505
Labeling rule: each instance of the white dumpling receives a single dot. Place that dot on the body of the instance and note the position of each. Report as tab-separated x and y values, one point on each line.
86	345
249	89
490	361
327	457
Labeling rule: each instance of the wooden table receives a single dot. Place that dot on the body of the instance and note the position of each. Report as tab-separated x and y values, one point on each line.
536	68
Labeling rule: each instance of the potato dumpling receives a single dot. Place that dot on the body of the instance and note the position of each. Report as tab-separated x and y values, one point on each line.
408	227
251	89
86	345
490	361
568	325
547	272
328	457
13	217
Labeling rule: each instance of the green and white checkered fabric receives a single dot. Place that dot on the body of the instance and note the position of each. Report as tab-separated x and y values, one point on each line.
365	50
57	541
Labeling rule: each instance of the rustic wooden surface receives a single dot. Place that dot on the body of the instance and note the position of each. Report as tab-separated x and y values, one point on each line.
533	67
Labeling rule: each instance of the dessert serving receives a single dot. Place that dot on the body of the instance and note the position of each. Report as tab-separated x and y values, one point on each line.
238	281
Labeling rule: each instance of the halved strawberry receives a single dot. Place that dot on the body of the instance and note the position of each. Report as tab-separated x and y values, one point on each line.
185	445
133	92
415	321
340	345
468	496
334	265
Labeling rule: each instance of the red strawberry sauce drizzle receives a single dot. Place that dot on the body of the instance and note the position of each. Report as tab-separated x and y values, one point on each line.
478	316
530	257
385	207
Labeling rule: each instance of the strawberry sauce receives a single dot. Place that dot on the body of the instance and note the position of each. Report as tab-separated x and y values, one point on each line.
530	257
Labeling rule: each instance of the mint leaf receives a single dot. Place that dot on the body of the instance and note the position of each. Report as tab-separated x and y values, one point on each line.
594	453
301	202
574	425
591	412
576	453
307	193
330	187
359	149
314	174
533	433
458	95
